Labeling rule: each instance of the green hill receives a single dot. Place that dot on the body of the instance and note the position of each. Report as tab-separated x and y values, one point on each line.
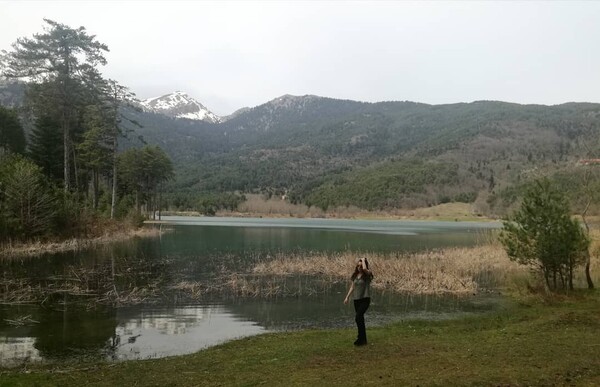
328	152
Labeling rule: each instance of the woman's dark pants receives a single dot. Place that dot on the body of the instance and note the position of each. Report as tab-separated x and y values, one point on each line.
361	306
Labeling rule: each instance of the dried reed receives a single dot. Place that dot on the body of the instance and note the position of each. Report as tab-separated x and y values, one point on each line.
35	248
456	270
126	281
21	321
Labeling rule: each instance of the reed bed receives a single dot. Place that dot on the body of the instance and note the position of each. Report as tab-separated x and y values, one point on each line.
18	291
21	321
128	281
193	290
450	271
125	282
273	286
11	249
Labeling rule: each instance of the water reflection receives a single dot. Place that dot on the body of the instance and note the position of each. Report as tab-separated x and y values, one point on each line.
328	311
17	350
159	332
75	328
206	234
144	332
124	334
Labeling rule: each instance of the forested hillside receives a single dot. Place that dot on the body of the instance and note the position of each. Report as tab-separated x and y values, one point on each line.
327	152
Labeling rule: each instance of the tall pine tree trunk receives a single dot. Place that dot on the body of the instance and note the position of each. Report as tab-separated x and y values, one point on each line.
75	170
64	80
66	165
137	202
114	179
154	196
159	199
95	183
588	276
570	278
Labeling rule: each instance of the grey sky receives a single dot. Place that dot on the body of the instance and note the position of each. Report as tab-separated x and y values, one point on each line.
234	54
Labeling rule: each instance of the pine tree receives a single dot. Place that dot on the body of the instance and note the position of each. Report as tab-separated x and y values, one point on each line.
12	137
46	147
118	97
143	170
64	57
27	204
108	98
94	150
542	234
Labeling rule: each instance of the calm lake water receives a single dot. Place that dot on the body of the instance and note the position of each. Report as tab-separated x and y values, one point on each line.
67	327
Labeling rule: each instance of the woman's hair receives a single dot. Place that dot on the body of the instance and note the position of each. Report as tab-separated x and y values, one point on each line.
355	274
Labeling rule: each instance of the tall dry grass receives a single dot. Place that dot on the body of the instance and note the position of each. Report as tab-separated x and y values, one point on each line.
275	206
455	271
458	271
258	205
35	248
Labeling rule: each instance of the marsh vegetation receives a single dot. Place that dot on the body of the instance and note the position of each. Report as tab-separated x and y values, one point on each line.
129	280
221	278
133	289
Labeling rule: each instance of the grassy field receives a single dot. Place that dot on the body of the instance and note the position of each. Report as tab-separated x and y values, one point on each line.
534	341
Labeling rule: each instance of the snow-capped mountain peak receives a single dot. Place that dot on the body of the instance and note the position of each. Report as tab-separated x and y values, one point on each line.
180	105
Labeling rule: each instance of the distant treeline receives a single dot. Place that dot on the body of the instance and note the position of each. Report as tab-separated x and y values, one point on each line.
325	152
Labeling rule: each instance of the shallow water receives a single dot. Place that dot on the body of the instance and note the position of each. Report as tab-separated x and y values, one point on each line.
67	327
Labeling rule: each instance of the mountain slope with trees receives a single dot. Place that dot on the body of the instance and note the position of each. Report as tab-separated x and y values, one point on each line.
319	150
315	150
327	152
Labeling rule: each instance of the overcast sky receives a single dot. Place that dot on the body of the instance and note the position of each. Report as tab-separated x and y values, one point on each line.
233	54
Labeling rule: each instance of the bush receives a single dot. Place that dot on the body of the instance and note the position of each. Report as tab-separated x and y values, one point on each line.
542	234
28	207
209	204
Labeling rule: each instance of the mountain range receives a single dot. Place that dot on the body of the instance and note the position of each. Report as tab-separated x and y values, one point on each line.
179	105
328	152
398	154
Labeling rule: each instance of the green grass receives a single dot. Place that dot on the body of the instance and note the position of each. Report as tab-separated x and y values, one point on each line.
541	342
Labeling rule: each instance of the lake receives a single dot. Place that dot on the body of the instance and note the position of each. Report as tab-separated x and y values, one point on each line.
66	323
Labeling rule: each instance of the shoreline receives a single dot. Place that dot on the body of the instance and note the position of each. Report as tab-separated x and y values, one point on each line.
31	249
525	343
363	216
10	250
442	213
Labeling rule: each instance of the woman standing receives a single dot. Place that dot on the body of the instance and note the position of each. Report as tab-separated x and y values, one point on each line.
360	288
